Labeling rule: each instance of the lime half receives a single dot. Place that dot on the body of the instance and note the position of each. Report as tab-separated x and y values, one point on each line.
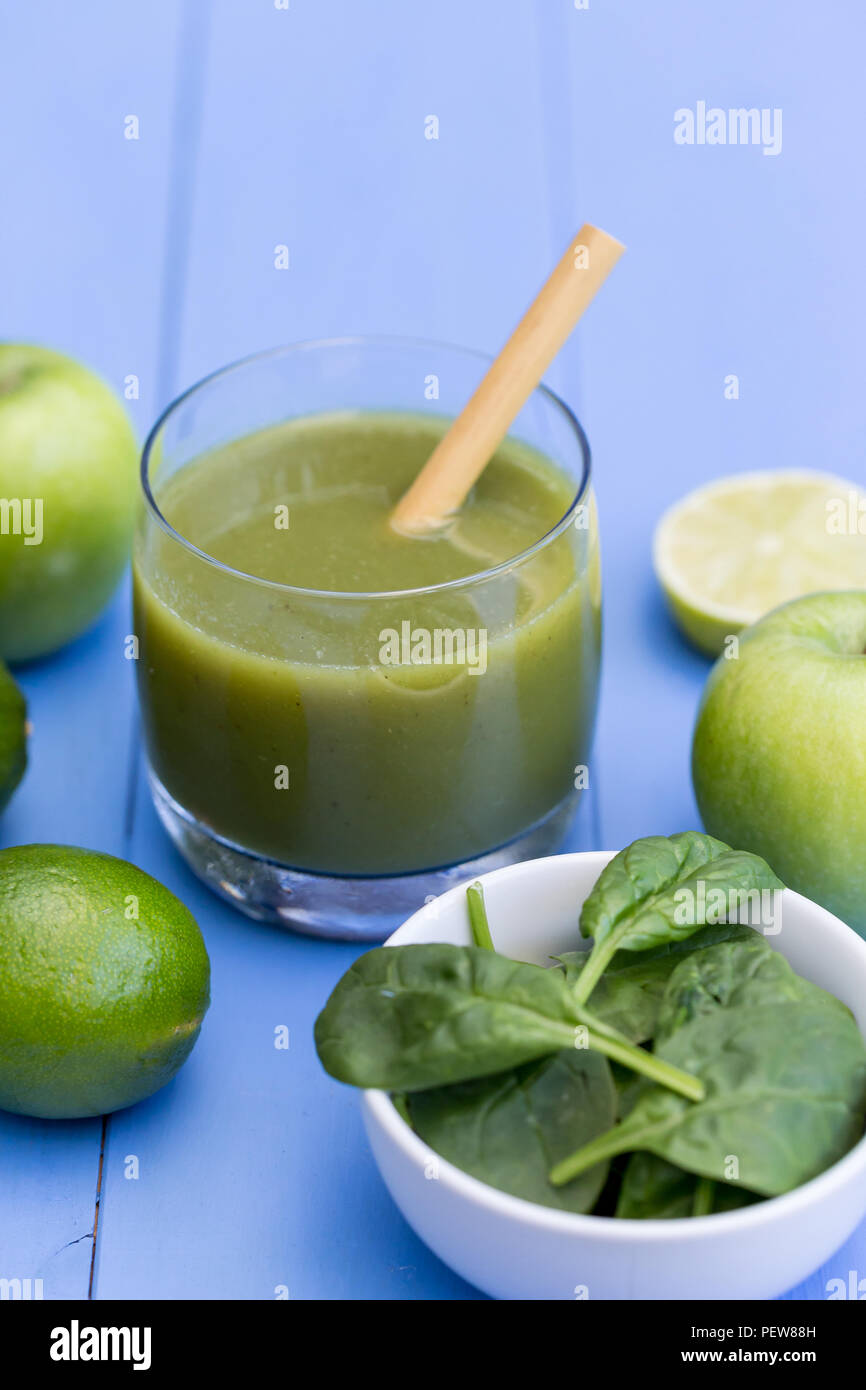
729	552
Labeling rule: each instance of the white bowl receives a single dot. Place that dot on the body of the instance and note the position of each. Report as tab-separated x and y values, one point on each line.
515	1249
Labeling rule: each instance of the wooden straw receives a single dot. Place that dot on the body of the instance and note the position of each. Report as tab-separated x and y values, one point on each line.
461	455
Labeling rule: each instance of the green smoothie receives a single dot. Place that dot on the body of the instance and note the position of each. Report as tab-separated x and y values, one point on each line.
312	699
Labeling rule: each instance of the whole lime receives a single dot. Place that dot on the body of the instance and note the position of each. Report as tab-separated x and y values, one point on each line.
104	981
67	498
13	735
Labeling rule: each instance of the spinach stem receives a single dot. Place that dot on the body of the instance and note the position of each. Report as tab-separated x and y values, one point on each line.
603	1146
639	1060
705	1192
636	1058
478	917
599	959
598	1025
601	1036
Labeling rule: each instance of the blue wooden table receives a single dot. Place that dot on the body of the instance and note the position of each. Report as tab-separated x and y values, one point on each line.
305	125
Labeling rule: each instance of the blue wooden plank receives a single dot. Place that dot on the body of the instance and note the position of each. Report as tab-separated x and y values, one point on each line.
726	273
314	137
80	251
250	1174
81	711
842	1277
254	1173
85	205
48	1203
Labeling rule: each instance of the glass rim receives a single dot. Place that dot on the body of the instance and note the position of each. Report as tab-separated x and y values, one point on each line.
363	341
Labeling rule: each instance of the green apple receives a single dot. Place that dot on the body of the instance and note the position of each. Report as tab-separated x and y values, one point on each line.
13	735
779	752
67	498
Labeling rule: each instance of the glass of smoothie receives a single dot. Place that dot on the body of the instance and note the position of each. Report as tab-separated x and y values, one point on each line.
339	720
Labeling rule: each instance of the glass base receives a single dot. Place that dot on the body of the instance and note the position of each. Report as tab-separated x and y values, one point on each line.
343	909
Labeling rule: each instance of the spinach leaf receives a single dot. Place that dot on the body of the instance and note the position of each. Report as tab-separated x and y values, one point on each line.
629	994
408	1017
785	1097
508	1130
728	1197
628	1000
659	890
653	1189
677	948
405	1018
734	974
629	1088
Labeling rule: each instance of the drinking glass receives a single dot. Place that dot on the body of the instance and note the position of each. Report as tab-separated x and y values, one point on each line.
305	771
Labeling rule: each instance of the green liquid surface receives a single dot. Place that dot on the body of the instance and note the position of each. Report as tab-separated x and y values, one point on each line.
330	733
